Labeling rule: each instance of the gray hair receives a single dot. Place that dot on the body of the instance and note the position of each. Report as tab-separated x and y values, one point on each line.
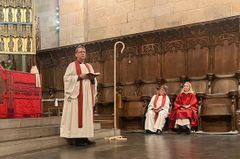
78	47
164	87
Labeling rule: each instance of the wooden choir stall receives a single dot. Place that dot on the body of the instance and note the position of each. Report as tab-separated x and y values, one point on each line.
205	54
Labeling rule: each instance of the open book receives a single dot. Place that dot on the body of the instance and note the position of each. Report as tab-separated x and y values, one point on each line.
93	74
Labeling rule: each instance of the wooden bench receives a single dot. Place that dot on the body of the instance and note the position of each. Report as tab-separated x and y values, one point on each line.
131	113
218	112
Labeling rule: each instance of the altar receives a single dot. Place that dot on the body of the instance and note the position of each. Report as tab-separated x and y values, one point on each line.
20	92
19	96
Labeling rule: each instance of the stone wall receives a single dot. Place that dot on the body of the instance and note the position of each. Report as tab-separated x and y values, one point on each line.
89	20
123	17
72	13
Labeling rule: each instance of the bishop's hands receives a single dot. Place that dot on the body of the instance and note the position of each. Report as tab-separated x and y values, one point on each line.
86	76
90	76
82	77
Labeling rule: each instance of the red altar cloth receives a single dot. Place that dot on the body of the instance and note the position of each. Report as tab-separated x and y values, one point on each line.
19	96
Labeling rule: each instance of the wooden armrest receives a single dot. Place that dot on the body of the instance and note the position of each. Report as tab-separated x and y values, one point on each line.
104	103
217	114
127	116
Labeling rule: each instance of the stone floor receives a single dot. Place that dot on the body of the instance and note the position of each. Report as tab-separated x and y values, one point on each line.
140	146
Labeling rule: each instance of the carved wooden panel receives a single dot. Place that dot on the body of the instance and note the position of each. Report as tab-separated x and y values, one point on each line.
148	89
106	95
173	64
59	72
200	86
216	114
129	69
59	77
216	124
174	59
197	60
226	55
129	90
108	66
150	69
173	87
224	85
211	110
108	72
48	77
133	109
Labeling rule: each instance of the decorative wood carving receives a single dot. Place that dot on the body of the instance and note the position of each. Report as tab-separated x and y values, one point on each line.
202	41
228	37
149	49
173	46
93	57
199	53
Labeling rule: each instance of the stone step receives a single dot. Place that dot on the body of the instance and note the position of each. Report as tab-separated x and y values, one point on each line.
22	146
29	122
106	120
97	126
33	132
105	124
103	117
29	132
27	145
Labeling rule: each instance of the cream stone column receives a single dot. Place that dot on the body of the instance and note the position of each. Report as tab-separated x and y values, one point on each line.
46	11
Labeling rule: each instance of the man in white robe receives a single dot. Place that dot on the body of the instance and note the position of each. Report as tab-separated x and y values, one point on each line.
79	96
157	112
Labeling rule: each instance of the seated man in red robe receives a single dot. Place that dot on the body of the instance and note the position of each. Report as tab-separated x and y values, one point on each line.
185	112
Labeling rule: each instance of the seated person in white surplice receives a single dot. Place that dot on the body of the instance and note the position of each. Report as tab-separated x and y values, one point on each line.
157	112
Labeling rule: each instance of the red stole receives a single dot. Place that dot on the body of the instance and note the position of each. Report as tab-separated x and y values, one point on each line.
155	105
80	96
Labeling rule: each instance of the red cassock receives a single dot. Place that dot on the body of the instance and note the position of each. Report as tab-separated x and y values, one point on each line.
191	113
